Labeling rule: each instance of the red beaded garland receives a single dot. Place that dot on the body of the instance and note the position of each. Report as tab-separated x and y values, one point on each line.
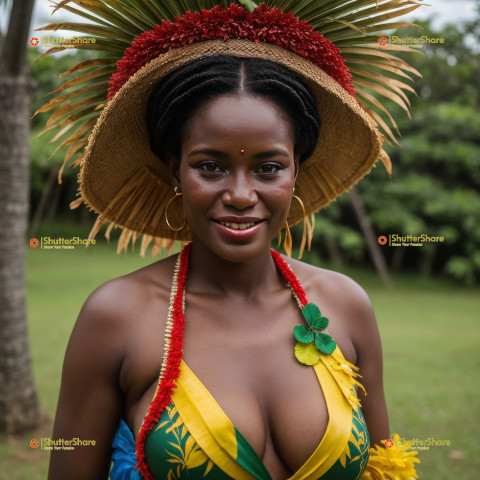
172	371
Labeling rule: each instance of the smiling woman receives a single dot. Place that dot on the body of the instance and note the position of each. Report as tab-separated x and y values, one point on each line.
226	361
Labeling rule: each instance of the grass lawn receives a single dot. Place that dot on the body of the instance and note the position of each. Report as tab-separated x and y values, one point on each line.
430	339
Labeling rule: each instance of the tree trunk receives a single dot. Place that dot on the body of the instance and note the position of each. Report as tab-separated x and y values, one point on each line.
397	259
40	208
19	410
334	252
370	237
427	260
18	399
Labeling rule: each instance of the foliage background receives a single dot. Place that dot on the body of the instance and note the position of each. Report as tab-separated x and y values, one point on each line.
435	186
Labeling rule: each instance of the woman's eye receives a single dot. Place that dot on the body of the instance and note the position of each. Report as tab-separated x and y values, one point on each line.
210	167
269	168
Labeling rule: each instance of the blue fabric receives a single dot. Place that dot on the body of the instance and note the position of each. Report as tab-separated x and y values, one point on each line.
123	456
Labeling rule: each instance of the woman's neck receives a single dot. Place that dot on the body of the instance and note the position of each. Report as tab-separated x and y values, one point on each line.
209	273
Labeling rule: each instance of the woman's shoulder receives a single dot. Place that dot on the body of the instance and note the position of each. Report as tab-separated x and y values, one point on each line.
321	282
123	299
344	302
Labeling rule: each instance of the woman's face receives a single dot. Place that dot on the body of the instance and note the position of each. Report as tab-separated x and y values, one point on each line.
237	173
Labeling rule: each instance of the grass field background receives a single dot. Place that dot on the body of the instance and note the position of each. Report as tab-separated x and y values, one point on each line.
430	332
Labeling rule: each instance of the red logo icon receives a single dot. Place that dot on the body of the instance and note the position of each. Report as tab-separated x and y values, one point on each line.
34	243
382	240
382	41
34	41
388	443
34	443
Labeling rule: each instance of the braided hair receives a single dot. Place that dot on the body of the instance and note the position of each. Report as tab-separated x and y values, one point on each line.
179	95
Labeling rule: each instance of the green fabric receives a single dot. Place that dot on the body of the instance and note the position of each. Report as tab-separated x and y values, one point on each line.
172	453
353	461
248	458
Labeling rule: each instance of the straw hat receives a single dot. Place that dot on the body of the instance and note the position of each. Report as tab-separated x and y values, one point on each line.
123	181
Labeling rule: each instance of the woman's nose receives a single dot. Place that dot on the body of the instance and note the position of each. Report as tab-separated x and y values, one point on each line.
240	191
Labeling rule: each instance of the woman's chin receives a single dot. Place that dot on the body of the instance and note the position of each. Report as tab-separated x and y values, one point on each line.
233	250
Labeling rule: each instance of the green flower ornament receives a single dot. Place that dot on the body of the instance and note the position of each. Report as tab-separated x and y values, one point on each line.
311	342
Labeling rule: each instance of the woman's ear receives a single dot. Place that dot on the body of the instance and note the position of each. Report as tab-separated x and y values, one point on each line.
173	169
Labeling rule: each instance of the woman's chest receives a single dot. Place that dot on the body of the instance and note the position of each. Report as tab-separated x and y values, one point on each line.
195	434
275	403
245	359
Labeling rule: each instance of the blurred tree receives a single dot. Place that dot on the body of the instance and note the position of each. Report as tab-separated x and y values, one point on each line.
47	197
19	409
435	186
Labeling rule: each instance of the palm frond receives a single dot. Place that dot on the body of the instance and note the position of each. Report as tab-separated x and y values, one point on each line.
355	26
92	62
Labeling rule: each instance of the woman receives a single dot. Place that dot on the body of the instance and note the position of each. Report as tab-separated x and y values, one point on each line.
251	380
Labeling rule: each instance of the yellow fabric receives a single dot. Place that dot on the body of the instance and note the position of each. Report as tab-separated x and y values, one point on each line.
215	433
338	428
207	423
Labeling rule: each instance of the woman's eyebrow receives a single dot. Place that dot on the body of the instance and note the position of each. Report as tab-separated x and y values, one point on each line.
207	151
219	154
271	153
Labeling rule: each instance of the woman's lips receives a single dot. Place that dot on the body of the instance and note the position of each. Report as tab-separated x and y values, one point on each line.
239	229
237	226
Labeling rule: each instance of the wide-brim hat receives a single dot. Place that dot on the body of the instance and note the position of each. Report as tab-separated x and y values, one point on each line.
124	181
126	184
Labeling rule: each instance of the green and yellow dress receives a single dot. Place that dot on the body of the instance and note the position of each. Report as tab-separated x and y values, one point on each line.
195	439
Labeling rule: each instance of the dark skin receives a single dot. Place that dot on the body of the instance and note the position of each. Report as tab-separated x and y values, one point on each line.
239	313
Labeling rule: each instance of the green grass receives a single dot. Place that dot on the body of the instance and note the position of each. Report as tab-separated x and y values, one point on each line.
58	283
430	340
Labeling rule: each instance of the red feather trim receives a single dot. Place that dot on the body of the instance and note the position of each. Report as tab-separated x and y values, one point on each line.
172	371
290	277
264	24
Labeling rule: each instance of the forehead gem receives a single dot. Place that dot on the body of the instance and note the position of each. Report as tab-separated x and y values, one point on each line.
242	151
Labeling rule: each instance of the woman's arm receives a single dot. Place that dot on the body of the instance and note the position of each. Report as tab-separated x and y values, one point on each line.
397	461
367	344
91	401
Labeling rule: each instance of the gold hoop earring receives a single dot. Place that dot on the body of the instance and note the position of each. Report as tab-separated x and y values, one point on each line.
178	194
304	233
299	200
287	243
